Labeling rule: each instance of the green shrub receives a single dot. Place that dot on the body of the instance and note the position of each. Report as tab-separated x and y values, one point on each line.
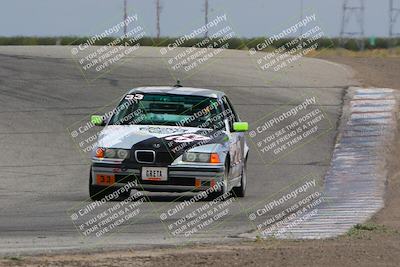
234	43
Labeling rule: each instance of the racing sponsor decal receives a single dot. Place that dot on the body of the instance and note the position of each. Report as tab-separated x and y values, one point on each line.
187	138
162	130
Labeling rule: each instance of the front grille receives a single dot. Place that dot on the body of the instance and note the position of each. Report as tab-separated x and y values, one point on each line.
164	158
145	156
171	181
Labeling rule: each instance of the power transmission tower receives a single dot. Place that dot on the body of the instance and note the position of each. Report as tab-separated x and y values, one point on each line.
125	16
394	12
353	10
158	14
206	16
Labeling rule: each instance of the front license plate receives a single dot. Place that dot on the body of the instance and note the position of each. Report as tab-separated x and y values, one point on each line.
154	174
105	179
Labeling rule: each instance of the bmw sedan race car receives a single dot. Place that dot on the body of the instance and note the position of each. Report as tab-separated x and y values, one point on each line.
169	139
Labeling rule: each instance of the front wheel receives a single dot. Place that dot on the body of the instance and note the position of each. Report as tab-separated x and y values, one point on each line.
241	190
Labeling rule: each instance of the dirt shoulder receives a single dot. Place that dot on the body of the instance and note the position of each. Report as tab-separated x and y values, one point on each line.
373	244
367	248
375	72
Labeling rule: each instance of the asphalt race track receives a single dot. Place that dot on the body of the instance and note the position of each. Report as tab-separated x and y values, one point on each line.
43	173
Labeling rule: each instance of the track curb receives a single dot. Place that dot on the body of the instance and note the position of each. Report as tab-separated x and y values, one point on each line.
354	184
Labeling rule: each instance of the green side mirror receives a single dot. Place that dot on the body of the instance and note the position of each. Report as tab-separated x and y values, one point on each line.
97	120
240	126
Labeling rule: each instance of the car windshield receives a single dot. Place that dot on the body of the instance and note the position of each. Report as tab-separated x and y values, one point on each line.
168	109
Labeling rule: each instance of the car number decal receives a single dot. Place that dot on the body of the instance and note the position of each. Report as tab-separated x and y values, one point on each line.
135	96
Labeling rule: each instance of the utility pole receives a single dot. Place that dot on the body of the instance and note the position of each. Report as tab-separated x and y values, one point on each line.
301	15
158	13
353	10
206	16
125	16
394	12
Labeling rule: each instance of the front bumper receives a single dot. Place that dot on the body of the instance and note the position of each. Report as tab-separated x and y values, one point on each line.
183	177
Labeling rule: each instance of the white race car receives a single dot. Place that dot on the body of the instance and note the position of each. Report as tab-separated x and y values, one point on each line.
170	139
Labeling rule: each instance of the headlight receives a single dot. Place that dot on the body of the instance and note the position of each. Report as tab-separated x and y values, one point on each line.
112	153
122	153
200	157
203	157
189	157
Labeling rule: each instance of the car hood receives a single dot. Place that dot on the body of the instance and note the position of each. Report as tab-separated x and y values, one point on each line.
158	137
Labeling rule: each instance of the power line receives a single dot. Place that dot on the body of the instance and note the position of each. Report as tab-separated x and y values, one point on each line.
353	10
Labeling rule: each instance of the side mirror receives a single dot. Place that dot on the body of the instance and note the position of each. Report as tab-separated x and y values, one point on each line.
240	126
97	120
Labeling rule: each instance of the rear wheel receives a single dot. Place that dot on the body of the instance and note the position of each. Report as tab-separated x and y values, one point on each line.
97	192
240	191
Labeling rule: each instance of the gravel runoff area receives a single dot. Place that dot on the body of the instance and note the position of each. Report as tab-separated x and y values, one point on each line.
375	243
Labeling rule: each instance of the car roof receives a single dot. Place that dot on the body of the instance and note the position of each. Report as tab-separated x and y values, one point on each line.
178	91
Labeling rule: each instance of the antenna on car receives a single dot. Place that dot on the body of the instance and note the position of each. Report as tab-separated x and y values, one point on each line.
178	84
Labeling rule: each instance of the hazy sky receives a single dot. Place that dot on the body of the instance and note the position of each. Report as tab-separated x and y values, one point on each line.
249	17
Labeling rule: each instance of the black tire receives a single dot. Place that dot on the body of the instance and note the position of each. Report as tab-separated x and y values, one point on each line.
241	190
97	192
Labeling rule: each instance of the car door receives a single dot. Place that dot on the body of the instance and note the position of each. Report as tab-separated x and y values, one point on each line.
236	140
